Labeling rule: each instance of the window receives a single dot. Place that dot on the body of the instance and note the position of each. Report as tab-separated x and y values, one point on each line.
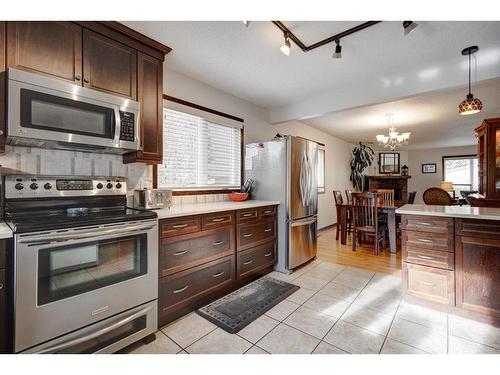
321	170
199	154
462	171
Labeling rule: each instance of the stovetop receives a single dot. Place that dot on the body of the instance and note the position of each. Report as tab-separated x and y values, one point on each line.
37	203
34	221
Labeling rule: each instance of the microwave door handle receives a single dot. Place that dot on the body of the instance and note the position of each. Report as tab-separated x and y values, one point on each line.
95	334
116	125
86	234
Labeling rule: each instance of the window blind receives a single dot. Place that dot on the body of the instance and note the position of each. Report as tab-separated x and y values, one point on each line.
199	154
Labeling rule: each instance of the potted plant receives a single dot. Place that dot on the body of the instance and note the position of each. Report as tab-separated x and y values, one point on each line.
362	158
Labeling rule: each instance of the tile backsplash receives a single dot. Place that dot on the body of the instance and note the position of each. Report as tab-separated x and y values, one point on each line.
59	162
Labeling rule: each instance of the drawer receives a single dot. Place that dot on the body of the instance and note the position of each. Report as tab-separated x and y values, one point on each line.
3	254
429	283
187	286
265	212
182	252
432	258
429	224
179	225
253	234
244	216
217	220
478	228
429	241
255	259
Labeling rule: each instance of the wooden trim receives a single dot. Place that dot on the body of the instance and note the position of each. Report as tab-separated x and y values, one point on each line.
202	108
331	226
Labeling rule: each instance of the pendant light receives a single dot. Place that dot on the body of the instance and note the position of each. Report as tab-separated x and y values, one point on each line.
285	48
470	105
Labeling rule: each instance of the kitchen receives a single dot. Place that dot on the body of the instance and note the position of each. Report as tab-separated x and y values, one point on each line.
149	218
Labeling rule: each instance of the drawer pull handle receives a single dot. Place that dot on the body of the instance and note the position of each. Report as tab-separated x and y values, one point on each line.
218	274
425	240
268	254
425	257
268	229
248	215
218	219
180	290
424	223
178	226
1	286
425	283
217	243
248	262
246	235
268	211
176	254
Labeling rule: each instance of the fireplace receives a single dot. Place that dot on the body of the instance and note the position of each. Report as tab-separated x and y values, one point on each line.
397	183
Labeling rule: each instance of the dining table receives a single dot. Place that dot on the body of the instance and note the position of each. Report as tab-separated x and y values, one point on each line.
389	210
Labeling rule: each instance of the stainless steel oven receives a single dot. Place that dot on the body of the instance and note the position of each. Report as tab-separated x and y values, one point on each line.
50	113
86	289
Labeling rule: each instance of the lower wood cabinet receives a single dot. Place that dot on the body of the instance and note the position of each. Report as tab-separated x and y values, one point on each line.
429	283
202	257
4	334
478	275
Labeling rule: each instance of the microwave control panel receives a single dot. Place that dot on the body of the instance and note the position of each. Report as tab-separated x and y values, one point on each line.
127	126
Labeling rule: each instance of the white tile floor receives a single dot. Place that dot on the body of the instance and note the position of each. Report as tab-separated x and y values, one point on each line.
338	310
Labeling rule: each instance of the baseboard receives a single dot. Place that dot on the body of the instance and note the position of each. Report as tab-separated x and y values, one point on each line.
327	227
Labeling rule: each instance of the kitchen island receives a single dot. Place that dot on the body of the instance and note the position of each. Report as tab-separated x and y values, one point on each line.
451	259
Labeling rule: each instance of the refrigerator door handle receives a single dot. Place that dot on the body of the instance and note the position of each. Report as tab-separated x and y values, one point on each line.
300	223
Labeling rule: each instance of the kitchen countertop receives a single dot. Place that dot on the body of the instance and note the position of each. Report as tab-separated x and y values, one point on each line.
5	231
465	212
205	208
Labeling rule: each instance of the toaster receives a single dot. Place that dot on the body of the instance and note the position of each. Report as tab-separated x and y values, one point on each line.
152	199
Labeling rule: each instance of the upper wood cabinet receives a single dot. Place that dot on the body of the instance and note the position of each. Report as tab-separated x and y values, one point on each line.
150	95
51	48
2	88
108	65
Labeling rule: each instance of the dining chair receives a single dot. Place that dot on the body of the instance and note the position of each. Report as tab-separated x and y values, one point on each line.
348	195
337	195
438	197
410	198
386	196
365	220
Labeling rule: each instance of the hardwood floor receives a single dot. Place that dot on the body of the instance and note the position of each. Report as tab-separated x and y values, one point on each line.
331	250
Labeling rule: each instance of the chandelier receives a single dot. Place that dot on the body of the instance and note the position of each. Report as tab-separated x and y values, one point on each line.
394	139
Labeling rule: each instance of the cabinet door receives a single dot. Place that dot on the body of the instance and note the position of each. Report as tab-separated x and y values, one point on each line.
477	264
52	48
150	90
2	88
108	65
494	159
3	312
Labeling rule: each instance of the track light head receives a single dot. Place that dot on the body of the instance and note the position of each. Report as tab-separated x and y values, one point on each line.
409	26
246	23
338	50
285	48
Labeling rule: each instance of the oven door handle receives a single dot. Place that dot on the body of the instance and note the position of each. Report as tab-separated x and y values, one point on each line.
84	235
95	334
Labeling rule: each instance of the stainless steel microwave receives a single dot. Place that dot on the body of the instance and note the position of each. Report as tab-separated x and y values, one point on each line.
50	113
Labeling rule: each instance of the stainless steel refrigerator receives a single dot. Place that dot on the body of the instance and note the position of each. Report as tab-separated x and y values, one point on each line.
284	170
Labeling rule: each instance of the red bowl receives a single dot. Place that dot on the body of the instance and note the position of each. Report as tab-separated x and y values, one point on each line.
238	197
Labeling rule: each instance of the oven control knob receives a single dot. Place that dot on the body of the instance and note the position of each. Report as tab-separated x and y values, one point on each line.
34	186
99	185
47	186
19	186
109	185
118	185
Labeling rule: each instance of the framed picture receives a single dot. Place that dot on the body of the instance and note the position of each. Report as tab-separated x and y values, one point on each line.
388	163
429	168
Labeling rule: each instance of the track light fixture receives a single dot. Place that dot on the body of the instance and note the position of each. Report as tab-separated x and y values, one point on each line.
285	48
409	26
246	23
338	50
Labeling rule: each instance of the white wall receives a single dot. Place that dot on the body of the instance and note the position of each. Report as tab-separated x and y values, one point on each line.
337	170
257	126
419	182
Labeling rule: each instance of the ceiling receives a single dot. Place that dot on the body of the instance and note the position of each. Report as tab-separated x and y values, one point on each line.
432	118
420	77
